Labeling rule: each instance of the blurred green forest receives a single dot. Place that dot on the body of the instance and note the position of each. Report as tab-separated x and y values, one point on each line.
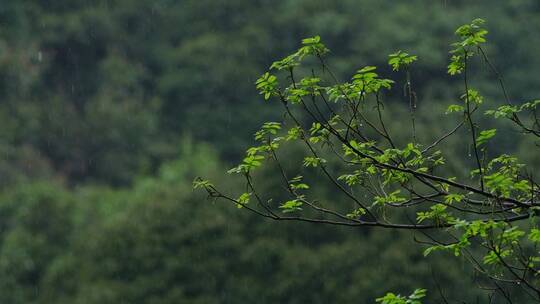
110	108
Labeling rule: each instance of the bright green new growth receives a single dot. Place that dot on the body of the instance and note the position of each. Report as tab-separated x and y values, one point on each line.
489	217
401	59
414	298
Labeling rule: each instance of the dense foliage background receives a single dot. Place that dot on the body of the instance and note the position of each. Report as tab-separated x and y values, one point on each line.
110	108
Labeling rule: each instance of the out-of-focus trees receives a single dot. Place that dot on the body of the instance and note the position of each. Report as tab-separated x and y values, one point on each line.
158	242
187	67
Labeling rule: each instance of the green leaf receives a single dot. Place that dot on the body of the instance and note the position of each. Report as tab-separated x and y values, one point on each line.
311	161
454	108
414	298
199	183
453	197
291	206
484	136
472	96
534	235
296	183
267	85
243	199
400	59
